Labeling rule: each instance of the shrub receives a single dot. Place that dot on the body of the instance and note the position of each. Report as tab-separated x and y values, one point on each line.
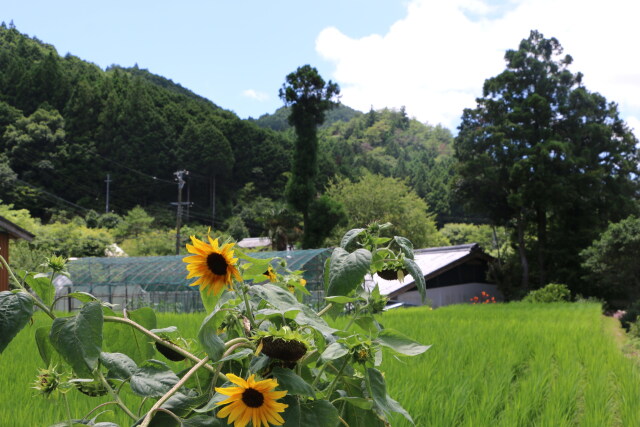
632	313
553	292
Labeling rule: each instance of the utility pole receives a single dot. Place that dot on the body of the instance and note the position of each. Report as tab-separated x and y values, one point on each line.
179	177
108	181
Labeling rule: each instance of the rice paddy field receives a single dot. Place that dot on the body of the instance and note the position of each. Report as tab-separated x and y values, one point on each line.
489	365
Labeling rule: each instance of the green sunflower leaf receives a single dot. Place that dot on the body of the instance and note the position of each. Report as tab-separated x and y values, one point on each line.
349	239
294	384
15	311
78	338
208	335
413	269
119	365
123	338
400	343
347	270
334	351
405	246
45	349
153	379
42	286
319	413
382	400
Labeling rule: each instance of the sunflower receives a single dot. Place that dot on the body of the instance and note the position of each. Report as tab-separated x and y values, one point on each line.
252	401
212	264
271	274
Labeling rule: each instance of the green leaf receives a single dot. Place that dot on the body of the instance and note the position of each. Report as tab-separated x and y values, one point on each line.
283	300
167	330
15	311
123	338
380	397
42	286
119	365
78	339
294	384
347	270
208	335
405	246
349	239
359	402
240	354
82	296
319	413
209	299
46	350
417	275
204	421
153	379
343	300
334	351
400	343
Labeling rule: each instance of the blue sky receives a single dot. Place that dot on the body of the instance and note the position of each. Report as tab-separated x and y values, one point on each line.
430	56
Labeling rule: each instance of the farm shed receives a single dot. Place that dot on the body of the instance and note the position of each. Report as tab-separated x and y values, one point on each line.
9	230
160	281
453	275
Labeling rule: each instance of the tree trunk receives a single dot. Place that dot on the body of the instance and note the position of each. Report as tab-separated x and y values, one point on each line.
542	244
523	254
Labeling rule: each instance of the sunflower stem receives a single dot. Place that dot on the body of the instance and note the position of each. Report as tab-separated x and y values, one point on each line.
102	405
36	301
114	395
156	338
324	310
174	389
338	375
236	341
252	320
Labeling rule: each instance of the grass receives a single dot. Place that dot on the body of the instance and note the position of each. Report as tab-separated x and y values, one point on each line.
490	365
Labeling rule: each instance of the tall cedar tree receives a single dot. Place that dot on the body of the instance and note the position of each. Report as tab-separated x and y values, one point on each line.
309	97
547	158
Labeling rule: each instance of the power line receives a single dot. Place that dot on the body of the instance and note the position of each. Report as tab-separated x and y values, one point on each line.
155	178
58	198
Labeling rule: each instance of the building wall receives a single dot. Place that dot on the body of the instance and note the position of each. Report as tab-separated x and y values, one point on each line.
4	251
455	294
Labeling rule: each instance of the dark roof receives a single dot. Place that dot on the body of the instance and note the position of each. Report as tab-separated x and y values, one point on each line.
433	262
14	231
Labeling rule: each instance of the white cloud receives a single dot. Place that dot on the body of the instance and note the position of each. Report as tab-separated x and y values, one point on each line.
435	60
253	94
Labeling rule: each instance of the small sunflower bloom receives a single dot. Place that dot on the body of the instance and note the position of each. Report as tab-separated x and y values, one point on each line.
214	266
271	274
253	401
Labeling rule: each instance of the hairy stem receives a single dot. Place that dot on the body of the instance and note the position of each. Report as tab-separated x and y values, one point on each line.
174	389
36	301
156	338
324	310
114	395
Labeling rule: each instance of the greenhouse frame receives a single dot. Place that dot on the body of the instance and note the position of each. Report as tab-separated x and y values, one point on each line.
160	281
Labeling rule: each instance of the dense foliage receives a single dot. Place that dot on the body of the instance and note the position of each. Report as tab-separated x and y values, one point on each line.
548	159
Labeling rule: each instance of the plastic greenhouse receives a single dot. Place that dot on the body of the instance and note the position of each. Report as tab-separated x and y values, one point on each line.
160	281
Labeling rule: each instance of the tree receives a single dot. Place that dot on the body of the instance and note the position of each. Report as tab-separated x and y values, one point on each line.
547	158
136	222
611	262
376	198
309	97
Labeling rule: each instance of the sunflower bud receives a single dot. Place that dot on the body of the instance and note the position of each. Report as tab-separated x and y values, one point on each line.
47	381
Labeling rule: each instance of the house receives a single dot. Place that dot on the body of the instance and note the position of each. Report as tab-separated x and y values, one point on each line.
9	230
453	275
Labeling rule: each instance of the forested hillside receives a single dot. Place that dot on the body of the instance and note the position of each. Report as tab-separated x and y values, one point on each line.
66	125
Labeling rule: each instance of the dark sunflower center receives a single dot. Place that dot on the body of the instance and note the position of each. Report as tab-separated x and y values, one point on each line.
217	264
252	398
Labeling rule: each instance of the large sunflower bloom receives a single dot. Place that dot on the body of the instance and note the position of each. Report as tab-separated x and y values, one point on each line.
213	265
253	401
